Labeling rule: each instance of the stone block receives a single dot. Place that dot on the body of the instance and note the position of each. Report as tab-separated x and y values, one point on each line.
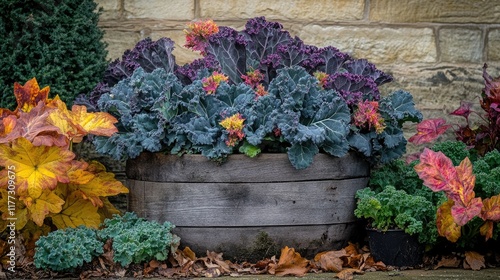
160	9
110	9
442	11
297	10
461	45
119	42
493	46
378	45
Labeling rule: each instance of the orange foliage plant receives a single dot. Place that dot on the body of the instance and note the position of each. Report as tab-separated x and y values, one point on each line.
43	186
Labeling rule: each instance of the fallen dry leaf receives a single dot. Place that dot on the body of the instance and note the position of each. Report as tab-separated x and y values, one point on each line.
189	253
474	260
354	261
291	263
348	273
352	249
369	263
330	261
448	261
154	263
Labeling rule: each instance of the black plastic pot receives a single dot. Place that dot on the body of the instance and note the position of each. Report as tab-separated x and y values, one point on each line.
395	247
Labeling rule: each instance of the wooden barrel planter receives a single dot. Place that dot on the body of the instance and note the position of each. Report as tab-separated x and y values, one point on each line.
249	208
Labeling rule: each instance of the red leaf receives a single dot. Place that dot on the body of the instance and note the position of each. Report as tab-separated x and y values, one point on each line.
437	172
467	181
464	110
463	214
428	130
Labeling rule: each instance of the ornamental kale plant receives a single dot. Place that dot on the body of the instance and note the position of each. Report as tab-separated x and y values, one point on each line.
136	240
67	249
255	90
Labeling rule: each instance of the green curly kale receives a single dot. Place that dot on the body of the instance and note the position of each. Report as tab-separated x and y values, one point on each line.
455	150
67	249
391	208
487	171
136	240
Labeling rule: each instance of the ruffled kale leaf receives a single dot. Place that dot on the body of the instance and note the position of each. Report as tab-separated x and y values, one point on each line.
141	103
228	48
147	54
309	118
202	113
390	144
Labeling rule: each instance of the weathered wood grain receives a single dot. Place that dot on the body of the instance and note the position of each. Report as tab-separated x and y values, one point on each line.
225	207
247	204
239	168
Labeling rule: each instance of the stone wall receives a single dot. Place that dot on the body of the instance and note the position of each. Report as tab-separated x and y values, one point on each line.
434	49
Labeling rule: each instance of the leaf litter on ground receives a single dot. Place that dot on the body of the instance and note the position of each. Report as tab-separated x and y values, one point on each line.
345	263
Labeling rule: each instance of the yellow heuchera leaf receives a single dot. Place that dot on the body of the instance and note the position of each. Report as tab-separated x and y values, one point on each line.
77	123
61	118
98	123
34	127
445	224
491	208
77	211
486	230
78	173
490	213
29	95
103	184
37	168
47	202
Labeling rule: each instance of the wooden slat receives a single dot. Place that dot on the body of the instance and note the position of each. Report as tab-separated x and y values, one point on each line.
239	168
247	204
237	241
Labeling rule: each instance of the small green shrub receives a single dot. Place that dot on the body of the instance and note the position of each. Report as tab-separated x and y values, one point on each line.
67	249
136	240
58	42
